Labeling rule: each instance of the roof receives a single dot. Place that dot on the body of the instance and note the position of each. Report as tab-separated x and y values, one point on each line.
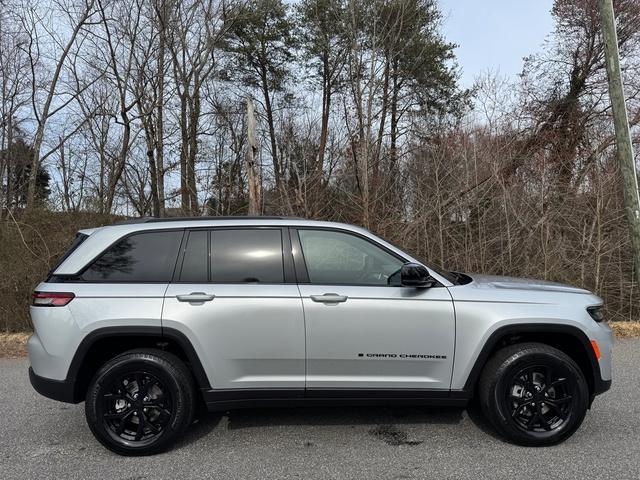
186	219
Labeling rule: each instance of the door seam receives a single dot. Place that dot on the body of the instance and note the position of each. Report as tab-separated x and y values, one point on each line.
304	324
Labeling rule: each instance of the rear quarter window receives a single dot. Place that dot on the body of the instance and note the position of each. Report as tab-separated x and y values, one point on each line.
80	237
141	257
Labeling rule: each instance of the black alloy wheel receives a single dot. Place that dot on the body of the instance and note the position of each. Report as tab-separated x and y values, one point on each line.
533	394
539	398
140	402
137	407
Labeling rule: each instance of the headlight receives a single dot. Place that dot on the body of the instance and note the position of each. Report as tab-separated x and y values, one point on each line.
597	313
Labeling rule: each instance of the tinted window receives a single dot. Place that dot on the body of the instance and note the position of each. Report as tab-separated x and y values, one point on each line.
194	265
249	255
143	257
341	258
80	237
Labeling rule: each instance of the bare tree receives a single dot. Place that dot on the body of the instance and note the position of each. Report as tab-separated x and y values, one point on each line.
35	25
250	165
196	30
14	82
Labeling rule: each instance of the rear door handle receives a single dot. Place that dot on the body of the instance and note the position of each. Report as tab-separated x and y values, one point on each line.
329	298
195	297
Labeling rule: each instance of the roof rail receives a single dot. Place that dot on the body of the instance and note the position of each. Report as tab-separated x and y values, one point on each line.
186	219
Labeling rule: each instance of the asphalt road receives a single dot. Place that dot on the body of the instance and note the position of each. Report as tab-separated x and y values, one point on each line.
40	438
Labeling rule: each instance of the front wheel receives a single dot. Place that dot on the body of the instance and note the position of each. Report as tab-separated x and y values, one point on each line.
533	394
139	402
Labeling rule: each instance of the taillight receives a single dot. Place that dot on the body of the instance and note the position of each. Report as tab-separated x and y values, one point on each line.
52	299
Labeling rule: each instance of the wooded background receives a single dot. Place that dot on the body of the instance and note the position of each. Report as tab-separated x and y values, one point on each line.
115	108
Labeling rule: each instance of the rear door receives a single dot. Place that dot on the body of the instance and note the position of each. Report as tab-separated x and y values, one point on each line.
235	298
363	330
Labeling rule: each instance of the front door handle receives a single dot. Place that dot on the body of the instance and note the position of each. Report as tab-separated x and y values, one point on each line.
195	297
329	298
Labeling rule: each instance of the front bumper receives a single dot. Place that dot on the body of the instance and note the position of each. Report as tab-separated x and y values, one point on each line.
601	386
61	390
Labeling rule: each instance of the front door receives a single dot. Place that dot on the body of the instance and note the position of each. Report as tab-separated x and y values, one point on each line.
238	304
364	330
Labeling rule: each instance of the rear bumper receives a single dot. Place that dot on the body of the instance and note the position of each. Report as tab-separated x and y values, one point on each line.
61	390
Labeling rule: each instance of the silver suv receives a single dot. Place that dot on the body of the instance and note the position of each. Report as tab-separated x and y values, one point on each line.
146	320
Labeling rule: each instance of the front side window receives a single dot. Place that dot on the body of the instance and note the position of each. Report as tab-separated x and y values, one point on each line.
246	256
142	257
344	259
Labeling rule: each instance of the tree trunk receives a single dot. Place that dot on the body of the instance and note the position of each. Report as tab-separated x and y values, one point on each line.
250	161
272	131
623	137
316	172
193	150
159	140
184	192
155	201
120	162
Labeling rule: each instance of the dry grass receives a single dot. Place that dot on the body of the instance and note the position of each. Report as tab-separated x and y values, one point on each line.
626	329
14	345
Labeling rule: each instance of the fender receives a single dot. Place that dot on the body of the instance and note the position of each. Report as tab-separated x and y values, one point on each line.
158	333
599	385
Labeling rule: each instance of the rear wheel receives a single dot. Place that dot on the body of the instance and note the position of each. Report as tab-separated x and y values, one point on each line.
533	394
139	402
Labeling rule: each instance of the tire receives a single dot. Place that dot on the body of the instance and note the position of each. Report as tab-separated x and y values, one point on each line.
533	394
128	423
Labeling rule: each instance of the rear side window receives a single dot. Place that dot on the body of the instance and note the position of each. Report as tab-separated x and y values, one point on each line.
142	257
246	255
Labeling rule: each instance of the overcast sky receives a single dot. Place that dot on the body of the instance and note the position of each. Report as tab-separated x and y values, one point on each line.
495	34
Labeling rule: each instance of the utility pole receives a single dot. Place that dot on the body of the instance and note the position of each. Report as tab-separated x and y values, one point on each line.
621	123
250	161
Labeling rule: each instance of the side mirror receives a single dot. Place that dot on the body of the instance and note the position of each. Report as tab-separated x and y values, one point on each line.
415	275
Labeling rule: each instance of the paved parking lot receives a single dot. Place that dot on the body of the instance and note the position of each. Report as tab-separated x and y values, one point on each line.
40	438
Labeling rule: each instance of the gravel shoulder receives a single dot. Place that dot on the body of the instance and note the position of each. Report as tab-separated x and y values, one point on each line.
44	439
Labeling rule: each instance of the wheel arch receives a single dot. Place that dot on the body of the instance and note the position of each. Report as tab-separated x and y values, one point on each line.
569	339
104	343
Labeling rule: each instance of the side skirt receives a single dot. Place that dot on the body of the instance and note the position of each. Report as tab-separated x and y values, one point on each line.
220	400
